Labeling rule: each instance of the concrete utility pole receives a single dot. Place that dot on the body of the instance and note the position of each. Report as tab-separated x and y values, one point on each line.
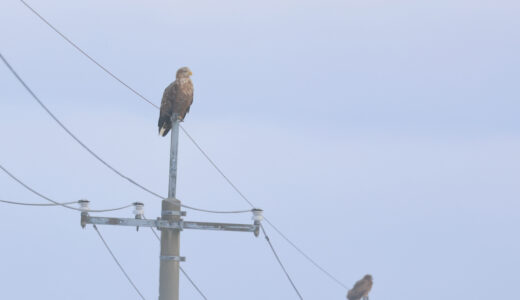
170	225
170	238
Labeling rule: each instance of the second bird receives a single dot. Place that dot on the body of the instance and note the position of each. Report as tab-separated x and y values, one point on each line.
361	289
177	99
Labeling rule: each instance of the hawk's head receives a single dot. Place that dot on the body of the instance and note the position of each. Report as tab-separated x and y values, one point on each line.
368	277
184	72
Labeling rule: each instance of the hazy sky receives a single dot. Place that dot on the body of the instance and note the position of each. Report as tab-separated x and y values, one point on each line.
382	137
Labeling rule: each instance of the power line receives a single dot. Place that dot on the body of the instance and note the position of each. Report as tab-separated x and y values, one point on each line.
191	139
192	283
280	262
106	245
265	218
117	262
85	54
104	162
55	202
305	255
218	211
69	132
216	167
37	204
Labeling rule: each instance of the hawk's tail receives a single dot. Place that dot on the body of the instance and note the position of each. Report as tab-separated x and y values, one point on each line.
164	126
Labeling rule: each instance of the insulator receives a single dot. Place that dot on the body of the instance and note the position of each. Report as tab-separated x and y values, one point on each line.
258	215
84	204
139	210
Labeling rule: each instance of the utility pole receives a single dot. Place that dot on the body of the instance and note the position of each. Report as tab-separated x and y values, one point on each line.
170	224
170	238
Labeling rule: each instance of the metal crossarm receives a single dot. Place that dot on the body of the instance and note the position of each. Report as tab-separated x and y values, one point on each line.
162	224
220	226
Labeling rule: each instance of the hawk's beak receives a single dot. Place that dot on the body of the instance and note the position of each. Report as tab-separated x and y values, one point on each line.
191	73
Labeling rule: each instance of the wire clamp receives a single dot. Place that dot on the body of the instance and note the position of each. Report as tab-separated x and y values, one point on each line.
173	213
172	257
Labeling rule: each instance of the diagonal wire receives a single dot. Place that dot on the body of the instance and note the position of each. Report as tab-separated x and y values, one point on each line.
192	283
95	227
69	132
216	167
305	255
280	262
94	154
55	202
183	272
85	54
117	262
191	139
37	204
265	218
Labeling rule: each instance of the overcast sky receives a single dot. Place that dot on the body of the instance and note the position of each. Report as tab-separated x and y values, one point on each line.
381	137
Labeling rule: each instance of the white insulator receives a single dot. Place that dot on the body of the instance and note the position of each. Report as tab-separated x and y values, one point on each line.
84	205
139	210
258	215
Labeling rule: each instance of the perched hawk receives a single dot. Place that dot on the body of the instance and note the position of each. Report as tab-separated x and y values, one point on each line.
360	289
177	99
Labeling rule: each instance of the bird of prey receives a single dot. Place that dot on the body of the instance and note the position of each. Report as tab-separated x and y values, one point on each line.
361	289
177	99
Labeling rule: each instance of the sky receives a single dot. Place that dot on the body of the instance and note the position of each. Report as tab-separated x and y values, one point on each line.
381	137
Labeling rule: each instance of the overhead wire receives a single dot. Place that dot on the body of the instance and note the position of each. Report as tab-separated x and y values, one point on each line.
265	218
55	202
89	150
95	227
85	54
218	211
82	210
192	283
280	262
191	139
68	131
107	165
37	204
118	263
305	255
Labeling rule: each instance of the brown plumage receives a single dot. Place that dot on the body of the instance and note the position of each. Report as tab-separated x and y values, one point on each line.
361	289
177	99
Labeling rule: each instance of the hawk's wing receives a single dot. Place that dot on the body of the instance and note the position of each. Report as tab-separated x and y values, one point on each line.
183	97
167	106
190	102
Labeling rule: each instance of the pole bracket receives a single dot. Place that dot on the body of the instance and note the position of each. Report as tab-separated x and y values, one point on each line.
173	258
173	213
